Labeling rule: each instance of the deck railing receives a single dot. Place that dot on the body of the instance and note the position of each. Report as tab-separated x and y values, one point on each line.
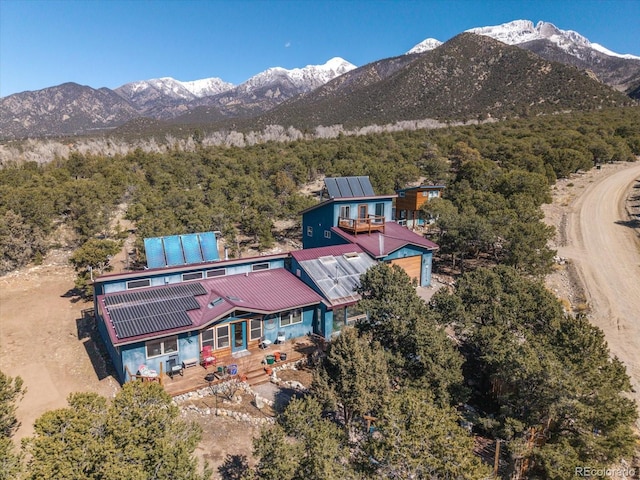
372	223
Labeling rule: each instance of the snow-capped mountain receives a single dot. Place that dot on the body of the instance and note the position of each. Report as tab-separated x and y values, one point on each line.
523	31
307	78
425	46
620	71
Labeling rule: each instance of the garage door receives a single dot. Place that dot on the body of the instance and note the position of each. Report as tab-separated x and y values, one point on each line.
411	265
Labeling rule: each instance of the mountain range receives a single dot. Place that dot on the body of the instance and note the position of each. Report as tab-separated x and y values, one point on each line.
511	69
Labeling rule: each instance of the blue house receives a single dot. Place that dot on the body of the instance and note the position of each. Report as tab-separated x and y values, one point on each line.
230	307
350	212
188	300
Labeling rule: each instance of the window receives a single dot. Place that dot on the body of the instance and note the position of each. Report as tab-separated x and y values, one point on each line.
327	234
401	194
207	338
363	211
164	346
256	267
291	318
345	211
425	193
218	272
256	329
222	336
138	284
338	319
379	209
309	231
191	276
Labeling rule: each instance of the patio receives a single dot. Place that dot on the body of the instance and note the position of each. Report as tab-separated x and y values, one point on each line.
250	365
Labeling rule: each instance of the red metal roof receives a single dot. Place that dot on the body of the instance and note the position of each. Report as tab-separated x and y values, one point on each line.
267	291
380	244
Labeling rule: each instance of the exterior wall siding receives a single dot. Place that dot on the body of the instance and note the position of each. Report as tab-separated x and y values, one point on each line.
160	279
427	258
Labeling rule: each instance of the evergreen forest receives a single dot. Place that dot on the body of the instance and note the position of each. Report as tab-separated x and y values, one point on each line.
495	356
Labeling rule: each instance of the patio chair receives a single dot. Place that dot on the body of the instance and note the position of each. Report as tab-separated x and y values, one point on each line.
281	338
264	343
206	357
174	366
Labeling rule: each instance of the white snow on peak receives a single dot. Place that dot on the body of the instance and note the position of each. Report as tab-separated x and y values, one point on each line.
425	46
606	51
521	31
176	88
308	78
207	86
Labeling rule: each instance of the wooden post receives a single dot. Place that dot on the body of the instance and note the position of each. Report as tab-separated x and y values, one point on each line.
496	459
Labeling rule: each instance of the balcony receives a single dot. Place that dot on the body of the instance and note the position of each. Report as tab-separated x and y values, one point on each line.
372	223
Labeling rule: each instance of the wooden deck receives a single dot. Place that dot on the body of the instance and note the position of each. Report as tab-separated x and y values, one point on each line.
373	223
250	364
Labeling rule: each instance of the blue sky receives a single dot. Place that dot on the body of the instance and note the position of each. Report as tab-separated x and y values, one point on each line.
104	43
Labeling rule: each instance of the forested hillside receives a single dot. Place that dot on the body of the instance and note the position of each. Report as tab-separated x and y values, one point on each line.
494	173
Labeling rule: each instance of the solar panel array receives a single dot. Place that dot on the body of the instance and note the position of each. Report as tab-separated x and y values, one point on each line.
148	311
181	249
344	187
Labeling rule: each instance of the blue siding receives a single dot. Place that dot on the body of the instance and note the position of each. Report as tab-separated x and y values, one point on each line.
324	217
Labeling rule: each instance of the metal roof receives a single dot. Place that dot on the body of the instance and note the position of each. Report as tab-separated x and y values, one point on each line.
346	187
141	314
337	275
380	244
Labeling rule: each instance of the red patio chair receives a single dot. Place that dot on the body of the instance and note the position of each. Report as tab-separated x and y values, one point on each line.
206	357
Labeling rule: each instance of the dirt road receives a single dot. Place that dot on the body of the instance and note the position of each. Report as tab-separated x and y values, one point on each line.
602	241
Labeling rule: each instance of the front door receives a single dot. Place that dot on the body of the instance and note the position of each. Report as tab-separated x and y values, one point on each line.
362	211
239	336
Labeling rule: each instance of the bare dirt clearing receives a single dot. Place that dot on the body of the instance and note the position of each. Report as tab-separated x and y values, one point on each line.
596	216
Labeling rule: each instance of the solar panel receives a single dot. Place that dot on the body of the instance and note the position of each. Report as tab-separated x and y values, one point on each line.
367	188
344	187
155	252
209	246
173	250
332	187
163	293
354	186
191	248
151	324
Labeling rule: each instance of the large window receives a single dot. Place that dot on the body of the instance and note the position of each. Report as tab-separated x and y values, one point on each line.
207	338
256	329
345	211
216	337
291	318
222	336
164	346
256	267
379	209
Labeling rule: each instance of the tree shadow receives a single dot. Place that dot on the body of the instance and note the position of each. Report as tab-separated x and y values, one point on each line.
74	294
88	334
234	467
633	223
283	396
